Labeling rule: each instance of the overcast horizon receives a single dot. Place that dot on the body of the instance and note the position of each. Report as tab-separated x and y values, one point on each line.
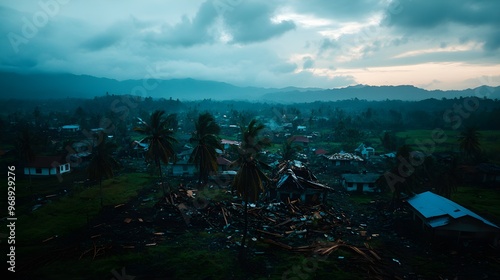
318	43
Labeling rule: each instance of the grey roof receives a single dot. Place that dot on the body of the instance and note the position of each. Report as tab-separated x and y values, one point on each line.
291	181
345	156
439	211
361	178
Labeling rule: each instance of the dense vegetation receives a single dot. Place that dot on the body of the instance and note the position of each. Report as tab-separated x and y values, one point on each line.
465	128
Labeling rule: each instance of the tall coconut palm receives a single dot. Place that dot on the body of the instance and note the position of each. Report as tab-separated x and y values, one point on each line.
159	136
289	149
206	141
469	144
102	163
403	179
249	180
446	179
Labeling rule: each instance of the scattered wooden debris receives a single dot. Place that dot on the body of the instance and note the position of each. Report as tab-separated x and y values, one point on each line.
50	238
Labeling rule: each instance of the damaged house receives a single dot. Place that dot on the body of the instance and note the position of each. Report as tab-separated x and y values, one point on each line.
295	181
342	159
443	218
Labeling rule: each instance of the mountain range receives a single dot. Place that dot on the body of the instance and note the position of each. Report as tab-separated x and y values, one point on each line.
54	86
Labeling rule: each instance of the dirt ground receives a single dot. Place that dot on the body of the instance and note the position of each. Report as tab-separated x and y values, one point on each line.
401	250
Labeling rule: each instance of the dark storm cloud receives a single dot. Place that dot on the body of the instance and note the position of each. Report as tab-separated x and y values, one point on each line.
258	42
188	32
308	62
251	22
26	44
105	39
339	9
284	67
248	22
327	44
424	15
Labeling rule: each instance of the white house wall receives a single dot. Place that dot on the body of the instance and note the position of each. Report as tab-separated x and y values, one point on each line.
63	168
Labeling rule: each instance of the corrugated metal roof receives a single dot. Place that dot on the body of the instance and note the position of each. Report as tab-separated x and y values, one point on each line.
431	205
439	221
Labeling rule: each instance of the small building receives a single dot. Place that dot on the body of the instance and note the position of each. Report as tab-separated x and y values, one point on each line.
362	183
294	187
47	166
365	152
183	168
342	158
140	147
70	128
320	152
440	217
485	174
489	174
228	143
300	140
301	128
83	146
223	163
389	155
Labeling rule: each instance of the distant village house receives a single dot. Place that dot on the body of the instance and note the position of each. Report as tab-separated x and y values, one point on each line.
361	183
47	166
365	152
70	128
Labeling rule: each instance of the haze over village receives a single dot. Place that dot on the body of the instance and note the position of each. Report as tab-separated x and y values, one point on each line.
248	139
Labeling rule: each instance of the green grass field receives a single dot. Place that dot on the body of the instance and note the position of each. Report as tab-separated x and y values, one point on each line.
483	201
71	212
489	140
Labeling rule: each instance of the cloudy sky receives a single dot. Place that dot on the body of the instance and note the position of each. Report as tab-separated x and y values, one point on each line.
445	44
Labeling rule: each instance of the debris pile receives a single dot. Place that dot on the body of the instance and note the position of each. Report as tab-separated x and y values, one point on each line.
345	156
292	221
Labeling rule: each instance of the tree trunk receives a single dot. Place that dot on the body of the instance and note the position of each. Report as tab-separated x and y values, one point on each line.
161	180
100	190
243	249
30	185
200	175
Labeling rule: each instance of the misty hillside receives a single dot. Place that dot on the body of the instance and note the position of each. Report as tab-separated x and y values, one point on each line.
51	86
379	93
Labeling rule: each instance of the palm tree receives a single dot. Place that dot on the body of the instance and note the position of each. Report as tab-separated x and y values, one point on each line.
25	144
290	149
404	179
249	178
159	137
447	178
206	142
469	143
102	163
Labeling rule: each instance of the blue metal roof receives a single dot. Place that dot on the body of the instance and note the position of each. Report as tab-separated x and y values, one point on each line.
439	211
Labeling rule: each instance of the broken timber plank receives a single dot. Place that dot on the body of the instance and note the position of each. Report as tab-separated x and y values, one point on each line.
270	233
